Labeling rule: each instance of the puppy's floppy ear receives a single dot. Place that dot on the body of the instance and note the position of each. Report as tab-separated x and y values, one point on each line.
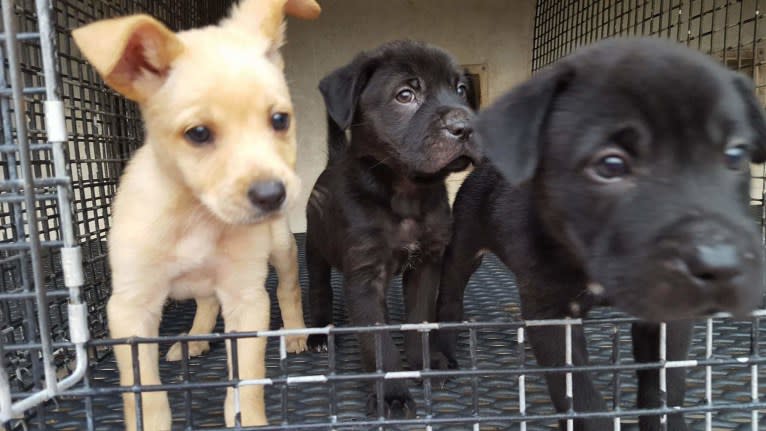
755	115
132	54
341	89
510	129
474	93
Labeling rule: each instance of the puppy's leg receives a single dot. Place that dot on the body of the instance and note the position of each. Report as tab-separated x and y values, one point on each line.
646	344
284	257
545	297
320	294
548	344
420	288
245	307
461	259
365	289
204	322
130	314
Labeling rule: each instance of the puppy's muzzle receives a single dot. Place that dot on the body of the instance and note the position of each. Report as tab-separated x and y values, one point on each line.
720	267
717	263
459	129
267	196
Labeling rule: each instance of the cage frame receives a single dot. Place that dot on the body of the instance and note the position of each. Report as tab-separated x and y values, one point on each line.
70	250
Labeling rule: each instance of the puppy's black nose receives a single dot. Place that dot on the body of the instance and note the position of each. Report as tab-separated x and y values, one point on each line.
460	129
267	195
714	263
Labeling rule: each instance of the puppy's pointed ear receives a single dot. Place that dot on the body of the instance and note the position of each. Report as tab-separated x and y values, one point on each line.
132	54
341	89
510	129
265	18
303	9
755	115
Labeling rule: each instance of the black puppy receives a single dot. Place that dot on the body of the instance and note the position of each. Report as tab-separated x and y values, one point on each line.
620	176
380	207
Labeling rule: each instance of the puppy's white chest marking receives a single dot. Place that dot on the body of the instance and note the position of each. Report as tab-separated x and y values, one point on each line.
409	233
192	265
413	255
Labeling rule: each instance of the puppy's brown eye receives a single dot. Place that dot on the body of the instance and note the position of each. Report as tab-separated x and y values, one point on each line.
405	96
610	166
737	158
280	121
462	90
199	135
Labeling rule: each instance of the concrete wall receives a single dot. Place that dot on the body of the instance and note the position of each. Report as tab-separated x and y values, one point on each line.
497	33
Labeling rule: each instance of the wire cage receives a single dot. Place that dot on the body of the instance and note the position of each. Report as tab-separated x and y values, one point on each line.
66	138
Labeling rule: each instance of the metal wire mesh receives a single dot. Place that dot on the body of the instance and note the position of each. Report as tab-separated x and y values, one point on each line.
499	386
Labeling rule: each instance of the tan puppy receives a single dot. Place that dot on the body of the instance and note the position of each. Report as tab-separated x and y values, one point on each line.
199	212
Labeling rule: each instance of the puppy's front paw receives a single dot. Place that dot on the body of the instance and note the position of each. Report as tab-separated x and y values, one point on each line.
295	343
317	343
445	350
440	361
398	402
196	348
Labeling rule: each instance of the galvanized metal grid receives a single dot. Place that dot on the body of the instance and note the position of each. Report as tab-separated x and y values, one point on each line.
36	205
499	387
519	417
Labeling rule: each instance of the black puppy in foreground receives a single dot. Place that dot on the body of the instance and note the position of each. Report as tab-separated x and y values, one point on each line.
620	175
380	207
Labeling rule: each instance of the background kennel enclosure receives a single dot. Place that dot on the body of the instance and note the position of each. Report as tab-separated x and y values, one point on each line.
65	141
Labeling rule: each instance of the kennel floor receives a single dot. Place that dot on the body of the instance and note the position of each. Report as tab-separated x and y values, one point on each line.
491	296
